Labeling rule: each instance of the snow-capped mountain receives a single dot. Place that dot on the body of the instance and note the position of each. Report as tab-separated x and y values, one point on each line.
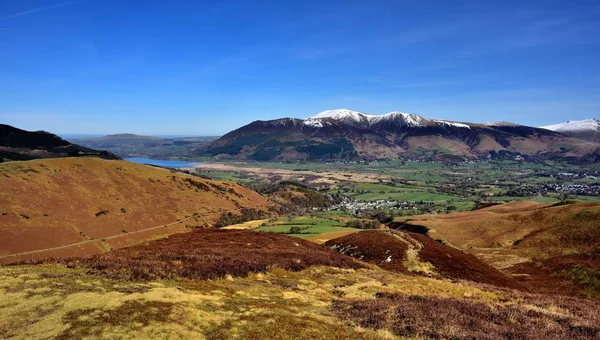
350	135
588	129
357	118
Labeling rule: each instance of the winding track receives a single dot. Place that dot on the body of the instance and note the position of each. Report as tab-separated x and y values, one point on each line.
31	252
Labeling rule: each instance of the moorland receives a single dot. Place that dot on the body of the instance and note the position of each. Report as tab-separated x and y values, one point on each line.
373	249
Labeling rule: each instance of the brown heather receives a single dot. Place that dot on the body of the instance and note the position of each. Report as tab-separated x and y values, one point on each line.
375	246
531	317
211	254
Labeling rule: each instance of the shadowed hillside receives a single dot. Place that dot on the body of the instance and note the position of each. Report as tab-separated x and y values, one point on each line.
105	204
17	144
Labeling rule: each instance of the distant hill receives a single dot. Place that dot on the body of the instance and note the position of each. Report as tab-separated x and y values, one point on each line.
588	129
351	135
131	145
101	204
17	144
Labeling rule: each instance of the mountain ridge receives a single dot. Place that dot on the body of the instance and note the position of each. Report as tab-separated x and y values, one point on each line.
351	135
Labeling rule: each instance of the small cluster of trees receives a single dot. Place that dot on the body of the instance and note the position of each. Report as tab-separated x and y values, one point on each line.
363	224
246	214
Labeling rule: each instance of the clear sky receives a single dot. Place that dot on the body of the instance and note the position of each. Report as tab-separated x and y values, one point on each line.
207	67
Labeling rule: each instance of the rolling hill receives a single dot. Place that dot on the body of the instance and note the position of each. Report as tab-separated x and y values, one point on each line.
17	144
407	252
100	205
130	145
552	248
351	135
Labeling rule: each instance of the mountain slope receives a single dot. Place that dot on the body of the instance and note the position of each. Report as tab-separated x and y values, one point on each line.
17	144
107	202
588	129
352	135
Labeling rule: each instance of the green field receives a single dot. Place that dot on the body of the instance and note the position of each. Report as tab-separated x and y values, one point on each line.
443	187
309	227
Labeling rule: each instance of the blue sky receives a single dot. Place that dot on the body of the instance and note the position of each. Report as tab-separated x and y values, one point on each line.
204	68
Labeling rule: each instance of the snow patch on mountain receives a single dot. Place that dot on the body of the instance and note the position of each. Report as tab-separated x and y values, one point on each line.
500	124
314	123
459	125
340	114
363	119
409	119
575	125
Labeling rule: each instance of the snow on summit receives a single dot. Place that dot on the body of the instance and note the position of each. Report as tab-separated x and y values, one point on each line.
360	118
340	114
575	125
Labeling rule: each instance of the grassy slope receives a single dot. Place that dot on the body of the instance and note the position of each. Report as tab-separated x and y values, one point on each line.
548	248
51	301
539	229
55	202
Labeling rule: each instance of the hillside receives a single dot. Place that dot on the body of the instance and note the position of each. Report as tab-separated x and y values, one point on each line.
131	145
407	252
588	129
545	229
351	135
249	285
549	247
17	144
101	205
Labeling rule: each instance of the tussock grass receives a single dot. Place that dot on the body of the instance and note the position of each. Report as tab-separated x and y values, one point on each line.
52	301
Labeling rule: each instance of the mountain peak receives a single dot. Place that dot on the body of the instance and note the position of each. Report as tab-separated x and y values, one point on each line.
357	117
340	114
396	118
575	125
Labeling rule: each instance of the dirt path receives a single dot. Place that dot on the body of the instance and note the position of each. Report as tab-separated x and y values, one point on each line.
104	239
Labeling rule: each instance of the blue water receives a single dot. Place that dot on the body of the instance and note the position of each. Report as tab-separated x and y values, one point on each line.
162	162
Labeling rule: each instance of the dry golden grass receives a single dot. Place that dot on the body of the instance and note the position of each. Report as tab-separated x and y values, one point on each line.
246	225
56	202
537	229
550	248
51	301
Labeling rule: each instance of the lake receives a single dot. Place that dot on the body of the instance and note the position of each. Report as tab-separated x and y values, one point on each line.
163	162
